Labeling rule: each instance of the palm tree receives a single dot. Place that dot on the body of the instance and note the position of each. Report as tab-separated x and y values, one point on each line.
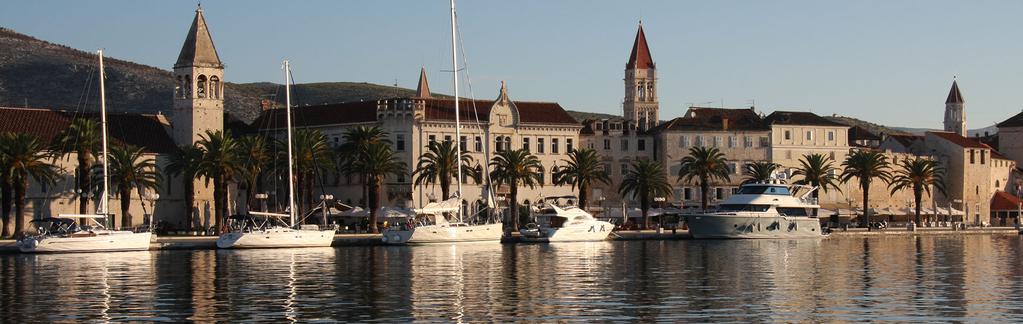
919	175
583	168
818	170
82	137
6	189
760	171
356	141
377	162
185	163
865	166
26	157
255	151
644	181
313	156
705	165
437	166
129	169
514	168
221	163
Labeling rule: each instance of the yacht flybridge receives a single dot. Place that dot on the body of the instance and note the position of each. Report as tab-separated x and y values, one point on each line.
268	230
63	234
565	223
761	210
431	223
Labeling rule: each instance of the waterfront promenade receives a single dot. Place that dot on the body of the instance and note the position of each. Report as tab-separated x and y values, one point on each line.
209	242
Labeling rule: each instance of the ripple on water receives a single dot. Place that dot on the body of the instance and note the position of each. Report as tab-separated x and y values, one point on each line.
955	278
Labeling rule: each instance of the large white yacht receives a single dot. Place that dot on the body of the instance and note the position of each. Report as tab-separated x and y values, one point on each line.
268	230
63	234
565	224
431	225
761	210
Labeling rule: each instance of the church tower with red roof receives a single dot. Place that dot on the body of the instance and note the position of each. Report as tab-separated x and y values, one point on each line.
640	103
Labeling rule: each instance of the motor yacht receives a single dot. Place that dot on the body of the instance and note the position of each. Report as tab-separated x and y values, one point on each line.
565	224
761	210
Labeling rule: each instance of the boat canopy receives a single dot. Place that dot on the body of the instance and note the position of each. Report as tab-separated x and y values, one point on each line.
53	220
95	216
448	206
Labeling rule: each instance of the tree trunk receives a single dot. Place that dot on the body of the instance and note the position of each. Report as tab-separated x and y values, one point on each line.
219	203
5	206
917	197
125	204
644	206
865	222
513	205
582	197
189	188
20	190
250	194
84	182
704	187
445	187
374	204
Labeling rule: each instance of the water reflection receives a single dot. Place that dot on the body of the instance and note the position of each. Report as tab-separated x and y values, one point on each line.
968	278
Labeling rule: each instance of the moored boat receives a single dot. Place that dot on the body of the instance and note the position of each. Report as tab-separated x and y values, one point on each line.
761	210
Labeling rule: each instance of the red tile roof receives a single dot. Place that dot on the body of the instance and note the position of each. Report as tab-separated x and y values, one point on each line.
959	140
640	56
906	140
799	118
1004	201
529	112
146	131
423	89
954	96
713	119
329	114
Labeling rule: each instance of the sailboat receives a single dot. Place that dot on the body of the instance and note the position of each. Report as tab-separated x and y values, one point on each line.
431	224
268	230
64	234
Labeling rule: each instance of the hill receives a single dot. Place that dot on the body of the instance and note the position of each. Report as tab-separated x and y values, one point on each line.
37	73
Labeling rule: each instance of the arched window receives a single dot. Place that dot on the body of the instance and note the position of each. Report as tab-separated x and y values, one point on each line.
188	86
200	86
178	89
214	87
507	143
500	143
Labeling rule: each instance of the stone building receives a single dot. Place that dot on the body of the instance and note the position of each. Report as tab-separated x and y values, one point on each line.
974	173
544	128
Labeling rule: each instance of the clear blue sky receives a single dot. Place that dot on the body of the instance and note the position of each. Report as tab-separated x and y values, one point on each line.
890	62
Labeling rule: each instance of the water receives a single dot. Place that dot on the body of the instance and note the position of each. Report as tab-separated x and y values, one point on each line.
954	278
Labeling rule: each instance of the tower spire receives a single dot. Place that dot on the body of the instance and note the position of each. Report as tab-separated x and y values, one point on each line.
198	50
423	90
640	57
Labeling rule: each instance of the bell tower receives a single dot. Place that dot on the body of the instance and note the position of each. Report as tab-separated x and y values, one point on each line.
640	103
199	85
955	111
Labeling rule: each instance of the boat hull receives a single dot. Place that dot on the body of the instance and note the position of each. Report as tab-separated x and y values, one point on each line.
116	241
592	232
711	226
434	234
276	238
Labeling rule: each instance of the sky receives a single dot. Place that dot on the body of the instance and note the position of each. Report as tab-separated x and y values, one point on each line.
890	62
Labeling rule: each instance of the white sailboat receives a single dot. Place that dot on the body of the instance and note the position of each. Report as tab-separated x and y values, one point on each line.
267	230
64	234
431	224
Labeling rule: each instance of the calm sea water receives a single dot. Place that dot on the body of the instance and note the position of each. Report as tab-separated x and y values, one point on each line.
968	278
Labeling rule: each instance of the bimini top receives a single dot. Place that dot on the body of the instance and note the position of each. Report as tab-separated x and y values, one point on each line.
764	189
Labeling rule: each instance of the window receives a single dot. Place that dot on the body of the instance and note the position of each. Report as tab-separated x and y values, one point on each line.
641	144
625	168
479	144
719	193
499	143
433	138
687	194
716	141
525	143
463	144
607	144
399	142
831	136
539	145
507	143
983	154
200	86
971	157
554	146
748	141
607	168
788	135
625	145
568	145
698	141
447	138
684	142
731	142
599	126
765	141
809	135
214	87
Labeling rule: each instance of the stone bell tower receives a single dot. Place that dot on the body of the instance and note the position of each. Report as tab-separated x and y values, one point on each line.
640	103
199	85
955	111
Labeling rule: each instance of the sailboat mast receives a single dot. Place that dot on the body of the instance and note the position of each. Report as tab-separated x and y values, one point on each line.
291	166
458	123
104	203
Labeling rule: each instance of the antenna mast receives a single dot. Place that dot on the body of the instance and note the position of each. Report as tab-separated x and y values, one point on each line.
458	124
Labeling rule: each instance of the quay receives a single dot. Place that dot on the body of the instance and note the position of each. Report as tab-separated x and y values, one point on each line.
210	242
